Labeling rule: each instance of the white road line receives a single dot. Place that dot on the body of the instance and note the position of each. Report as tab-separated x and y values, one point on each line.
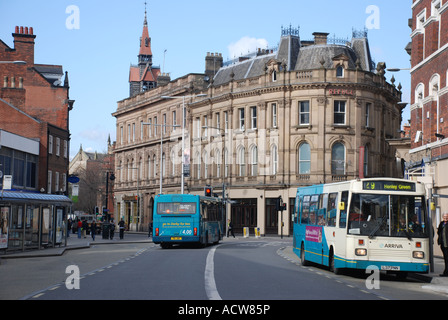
209	277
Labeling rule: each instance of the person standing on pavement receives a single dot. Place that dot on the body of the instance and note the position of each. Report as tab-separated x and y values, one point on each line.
79	229
442	241
230	229
84	228
121	225
93	229
111	230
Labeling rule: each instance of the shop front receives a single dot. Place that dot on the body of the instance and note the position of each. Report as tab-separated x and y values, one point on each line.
32	220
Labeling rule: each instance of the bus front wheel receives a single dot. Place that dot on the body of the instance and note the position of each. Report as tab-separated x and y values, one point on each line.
331	264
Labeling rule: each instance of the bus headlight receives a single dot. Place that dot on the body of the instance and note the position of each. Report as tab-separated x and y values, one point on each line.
418	254
361	252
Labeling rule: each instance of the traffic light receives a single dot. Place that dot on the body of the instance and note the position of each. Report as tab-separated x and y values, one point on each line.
97	210
208	191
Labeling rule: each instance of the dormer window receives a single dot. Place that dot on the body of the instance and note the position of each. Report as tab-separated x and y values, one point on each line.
340	72
274	76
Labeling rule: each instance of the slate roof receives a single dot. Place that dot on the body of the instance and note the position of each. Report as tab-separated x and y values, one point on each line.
299	56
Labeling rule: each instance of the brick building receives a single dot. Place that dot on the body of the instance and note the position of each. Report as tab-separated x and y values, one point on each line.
35	104
429	97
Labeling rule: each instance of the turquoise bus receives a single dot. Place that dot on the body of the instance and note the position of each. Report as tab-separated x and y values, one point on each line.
379	222
186	218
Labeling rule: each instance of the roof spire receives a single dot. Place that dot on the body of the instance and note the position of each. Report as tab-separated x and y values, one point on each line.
145	23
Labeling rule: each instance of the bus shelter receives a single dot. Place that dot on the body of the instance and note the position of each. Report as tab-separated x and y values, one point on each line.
32	220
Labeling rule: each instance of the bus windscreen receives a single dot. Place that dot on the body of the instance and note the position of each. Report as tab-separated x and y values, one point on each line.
176	208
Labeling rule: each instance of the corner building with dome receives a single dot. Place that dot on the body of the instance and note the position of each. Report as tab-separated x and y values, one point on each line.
258	127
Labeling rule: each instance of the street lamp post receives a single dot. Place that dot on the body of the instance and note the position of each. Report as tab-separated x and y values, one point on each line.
161	148
183	134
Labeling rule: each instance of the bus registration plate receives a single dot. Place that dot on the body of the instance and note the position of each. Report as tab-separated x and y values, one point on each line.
390	268
176	238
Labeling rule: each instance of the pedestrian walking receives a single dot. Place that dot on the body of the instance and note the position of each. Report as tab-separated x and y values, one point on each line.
111	230
69	227
149	229
442	241
230	228
79	228
93	229
84	228
121	225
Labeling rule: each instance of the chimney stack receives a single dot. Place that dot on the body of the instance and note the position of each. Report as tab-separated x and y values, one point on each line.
320	37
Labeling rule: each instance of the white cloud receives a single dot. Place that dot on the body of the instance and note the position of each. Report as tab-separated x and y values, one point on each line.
246	45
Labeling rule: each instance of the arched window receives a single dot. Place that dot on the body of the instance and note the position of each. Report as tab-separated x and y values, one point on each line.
149	167
254	161
419	93
154	162
338	159
304	158
340	72
241	162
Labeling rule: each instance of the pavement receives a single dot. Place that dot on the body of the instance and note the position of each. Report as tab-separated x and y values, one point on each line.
432	280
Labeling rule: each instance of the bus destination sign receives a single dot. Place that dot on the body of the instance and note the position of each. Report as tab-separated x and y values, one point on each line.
388	186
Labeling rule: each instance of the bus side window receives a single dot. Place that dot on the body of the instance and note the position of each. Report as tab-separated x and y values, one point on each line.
314	208
305	219
331	209
343	213
322	214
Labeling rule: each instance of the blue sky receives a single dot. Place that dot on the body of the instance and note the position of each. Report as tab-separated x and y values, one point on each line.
97	53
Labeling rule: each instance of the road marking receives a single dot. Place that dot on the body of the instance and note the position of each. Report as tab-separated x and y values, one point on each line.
209	277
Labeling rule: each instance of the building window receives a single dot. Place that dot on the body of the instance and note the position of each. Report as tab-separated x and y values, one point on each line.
56	182
241	118
338	159
149	167
155	126
253	117
50	144
367	119
226	121
50	177
340	72
133	132
206	126
274	76
164	124
149	127
129	133
174	121
339	112
121	135
304	112
254	161
241	161
58	146
366	161
218	120
304	158
274	115
141	130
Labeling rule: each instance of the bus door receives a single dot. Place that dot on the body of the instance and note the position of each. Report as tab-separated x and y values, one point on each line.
314	231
